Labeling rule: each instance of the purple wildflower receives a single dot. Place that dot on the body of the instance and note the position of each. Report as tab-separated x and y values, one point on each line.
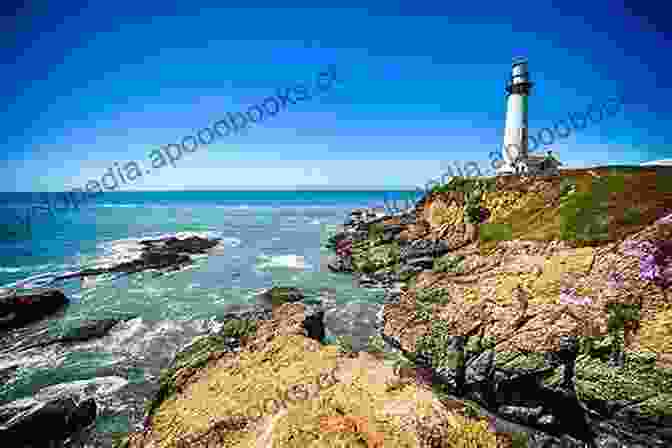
568	297
638	248
492	424
648	268
665	219
344	248
423	375
616	280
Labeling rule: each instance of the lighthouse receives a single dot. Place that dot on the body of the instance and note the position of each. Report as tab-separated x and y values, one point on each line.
514	150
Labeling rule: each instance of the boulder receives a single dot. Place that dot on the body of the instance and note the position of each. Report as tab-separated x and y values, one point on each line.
162	254
20	308
279	295
46	423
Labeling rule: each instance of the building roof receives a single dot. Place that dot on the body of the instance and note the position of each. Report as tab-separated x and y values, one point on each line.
664	162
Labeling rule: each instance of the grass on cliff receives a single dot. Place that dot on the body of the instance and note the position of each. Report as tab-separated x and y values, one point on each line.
591	211
196	355
357	413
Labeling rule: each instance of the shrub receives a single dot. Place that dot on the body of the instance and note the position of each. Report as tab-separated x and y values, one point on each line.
423	311
466	185
344	344
519	440
376	344
432	295
238	328
376	231
436	343
582	218
495	232
567	187
449	263
632	215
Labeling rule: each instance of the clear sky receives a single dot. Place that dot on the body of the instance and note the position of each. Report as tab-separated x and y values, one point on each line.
422	86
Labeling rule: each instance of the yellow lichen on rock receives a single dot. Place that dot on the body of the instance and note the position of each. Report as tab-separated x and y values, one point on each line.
507	283
562	267
244	389
439	213
656	334
502	203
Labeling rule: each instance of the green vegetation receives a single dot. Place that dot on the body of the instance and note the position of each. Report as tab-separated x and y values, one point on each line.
436	343
425	299
495	232
632	215
519	440
477	344
584	214
567	187
619	314
432	295
344	344
638	380
372	259
376	344
466	185
284	294
193	357
423	311
449	263
376	231
238	328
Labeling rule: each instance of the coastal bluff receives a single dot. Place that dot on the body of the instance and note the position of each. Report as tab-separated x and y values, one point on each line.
519	311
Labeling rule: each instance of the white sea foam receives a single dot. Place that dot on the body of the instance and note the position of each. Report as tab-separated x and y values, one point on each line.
282	261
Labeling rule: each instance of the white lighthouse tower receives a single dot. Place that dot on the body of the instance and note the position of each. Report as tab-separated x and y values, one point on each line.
514	151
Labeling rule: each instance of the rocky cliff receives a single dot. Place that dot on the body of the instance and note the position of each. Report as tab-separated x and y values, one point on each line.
519	312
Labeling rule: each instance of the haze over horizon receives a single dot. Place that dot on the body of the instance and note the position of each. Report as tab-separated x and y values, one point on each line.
422	87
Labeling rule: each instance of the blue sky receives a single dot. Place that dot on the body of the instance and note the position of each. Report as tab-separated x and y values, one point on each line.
422	87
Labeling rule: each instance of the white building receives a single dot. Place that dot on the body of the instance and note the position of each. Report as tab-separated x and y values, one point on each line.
516	160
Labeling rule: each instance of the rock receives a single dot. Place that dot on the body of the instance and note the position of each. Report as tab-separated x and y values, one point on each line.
357	320
85	331
161	254
480	368
20	308
451	370
283	366
523	414
546	420
423	262
424	248
314	325
47	423
391	230
279	295
339	264
89	330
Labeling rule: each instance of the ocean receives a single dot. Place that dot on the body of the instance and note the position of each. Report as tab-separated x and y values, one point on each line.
269	238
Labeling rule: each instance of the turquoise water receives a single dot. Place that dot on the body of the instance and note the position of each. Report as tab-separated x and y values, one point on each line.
269	238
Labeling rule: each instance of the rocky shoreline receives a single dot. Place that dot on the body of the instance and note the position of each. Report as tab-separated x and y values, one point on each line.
471	331
514	397
66	418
